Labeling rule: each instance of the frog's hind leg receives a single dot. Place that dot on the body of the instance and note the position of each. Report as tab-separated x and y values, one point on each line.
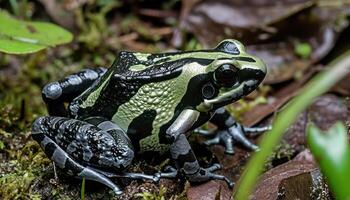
56	93
70	142
113	129
66	163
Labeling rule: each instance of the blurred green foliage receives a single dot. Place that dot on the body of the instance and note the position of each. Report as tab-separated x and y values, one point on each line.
303	50
20	37
332	152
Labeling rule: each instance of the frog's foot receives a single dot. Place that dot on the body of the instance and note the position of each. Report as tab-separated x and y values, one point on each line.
234	134
141	176
205	174
55	94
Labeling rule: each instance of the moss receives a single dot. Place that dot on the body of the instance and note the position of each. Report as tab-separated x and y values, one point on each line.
152	196
319	188
183	194
23	168
283	153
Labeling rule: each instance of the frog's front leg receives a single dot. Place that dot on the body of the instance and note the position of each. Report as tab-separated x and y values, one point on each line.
188	165
78	147
55	94
181	151
230	132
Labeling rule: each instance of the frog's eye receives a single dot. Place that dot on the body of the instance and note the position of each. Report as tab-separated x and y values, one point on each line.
226	75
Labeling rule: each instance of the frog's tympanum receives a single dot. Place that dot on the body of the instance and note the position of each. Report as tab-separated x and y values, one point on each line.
100	118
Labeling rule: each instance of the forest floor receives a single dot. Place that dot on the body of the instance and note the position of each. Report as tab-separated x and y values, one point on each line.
296	40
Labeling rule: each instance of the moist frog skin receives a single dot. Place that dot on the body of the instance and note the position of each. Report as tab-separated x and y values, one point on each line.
147	103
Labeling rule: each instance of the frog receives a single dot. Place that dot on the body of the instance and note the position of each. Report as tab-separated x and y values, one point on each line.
99	119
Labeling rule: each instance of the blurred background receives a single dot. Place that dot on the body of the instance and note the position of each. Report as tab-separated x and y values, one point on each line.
295	38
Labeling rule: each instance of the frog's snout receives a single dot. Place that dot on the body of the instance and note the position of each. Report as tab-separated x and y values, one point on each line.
255	72
250	74
260	75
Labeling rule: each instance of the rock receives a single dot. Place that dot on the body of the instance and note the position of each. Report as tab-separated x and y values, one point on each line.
309	185
209	191
269	185
324	112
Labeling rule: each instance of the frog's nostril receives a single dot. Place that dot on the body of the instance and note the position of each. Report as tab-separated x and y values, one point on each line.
260	75
252	74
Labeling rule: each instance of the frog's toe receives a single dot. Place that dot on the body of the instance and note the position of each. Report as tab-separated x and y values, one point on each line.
213	141
214	167
205	174
256	130
169	168
231	136
224	138
213	176
117	191
169	172
239	137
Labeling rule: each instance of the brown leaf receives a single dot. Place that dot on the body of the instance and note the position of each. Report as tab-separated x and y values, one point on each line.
271	30
274	102
268	186
213	20
157	13
343	87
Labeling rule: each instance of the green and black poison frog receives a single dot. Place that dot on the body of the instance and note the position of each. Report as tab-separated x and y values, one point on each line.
147	103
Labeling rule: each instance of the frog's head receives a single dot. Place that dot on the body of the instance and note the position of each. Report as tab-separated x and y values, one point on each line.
234	74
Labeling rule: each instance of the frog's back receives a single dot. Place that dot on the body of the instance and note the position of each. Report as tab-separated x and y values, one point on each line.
132	70
120	83
151	67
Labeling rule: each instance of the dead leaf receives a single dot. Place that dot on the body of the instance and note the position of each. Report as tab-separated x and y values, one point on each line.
271	30
268	186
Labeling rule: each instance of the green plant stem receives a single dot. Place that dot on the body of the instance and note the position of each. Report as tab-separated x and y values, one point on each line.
338	69
82	191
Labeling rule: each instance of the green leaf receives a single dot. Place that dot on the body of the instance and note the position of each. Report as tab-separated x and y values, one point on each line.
2	145
20	37
332	152
303	50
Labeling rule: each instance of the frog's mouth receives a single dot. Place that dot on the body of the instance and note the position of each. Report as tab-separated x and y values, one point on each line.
249	81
